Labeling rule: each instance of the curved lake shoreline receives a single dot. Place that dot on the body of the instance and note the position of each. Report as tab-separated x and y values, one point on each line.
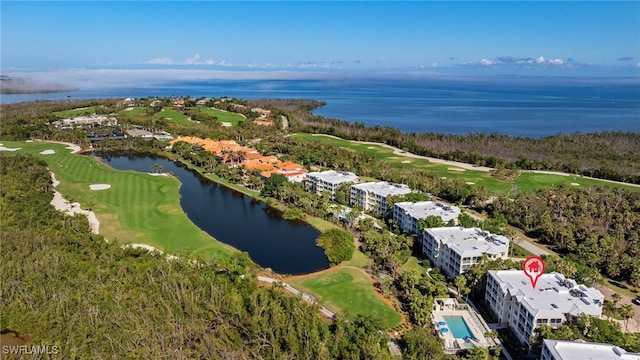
234	218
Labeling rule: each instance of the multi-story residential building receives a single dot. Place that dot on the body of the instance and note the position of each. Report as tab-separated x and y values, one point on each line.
330	180
407	214
581	350
372	196
86	121
455	249
517	304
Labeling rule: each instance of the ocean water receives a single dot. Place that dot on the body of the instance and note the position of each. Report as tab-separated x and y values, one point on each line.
531	107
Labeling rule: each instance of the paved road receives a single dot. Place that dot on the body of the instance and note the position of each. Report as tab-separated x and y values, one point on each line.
532	248
527	243
306	297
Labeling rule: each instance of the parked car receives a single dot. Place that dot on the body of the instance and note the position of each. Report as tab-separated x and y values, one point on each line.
636	301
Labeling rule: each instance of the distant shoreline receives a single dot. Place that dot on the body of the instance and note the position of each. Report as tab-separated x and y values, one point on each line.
11	91
20	86
530	109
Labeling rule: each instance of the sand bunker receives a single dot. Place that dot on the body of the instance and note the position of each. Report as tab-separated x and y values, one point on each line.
29	141
455	169
99	186
61	204
371	147
128	109
47	152
575	184
470	183
2	148
158	174
150	249
406	161
226	124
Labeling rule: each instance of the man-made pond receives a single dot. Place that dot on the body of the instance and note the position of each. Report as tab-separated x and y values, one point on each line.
236	219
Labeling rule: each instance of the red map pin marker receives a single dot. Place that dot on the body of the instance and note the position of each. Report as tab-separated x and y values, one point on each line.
533	267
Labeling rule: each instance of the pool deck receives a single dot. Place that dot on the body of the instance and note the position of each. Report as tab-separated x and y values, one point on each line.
475	323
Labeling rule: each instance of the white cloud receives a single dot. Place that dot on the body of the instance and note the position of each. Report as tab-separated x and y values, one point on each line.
487	62
195	60
510	60
435	65
160	61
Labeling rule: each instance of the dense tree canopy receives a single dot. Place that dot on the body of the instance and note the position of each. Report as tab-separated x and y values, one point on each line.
598	225
338	245
95	299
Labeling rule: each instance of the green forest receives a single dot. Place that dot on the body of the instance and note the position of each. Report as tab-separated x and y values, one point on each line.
92	298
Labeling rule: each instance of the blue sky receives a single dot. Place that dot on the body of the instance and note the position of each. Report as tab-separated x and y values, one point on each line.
581	37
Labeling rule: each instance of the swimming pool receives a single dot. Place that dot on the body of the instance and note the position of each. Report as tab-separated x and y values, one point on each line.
458	327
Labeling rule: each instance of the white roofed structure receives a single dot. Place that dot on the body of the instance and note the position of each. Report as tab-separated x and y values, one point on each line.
329	180
455	249
581	350
407	214
515	302
372	196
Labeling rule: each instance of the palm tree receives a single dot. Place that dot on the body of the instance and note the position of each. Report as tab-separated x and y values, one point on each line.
460	282
627	312
616	298
609	308
241	156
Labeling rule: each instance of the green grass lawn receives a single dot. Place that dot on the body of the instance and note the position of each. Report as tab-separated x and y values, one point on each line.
413	264
529	181
519	251
359	260
349	291
138	208
223	116
66	114
169	113
526	182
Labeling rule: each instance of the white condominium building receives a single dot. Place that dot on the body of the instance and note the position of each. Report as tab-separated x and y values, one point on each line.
372	196
581	350
517	304
407	214
329	180
455	249
92	120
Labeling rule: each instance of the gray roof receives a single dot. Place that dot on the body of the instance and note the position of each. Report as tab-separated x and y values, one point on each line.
334	177
422	209
470	241
139	132
384	188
